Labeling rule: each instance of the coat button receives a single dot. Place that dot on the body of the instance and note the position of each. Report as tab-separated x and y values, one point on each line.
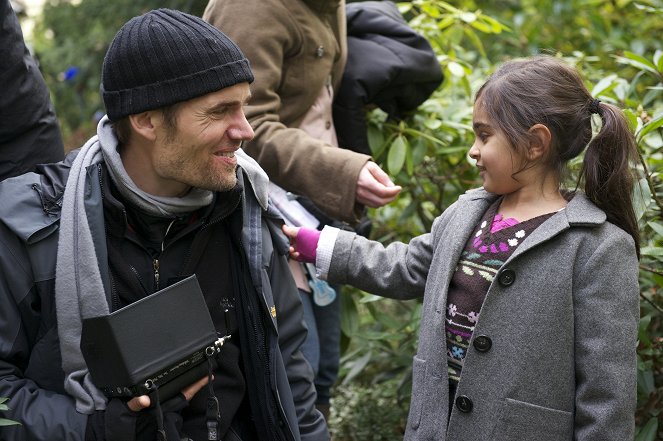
464	404
482	343
320	52
507	277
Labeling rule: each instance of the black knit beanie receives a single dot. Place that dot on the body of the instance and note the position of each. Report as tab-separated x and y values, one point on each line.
165	57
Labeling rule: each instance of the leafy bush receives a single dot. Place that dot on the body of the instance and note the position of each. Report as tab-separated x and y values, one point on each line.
353	420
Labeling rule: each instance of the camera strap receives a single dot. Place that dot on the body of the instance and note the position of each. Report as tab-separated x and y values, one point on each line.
213	413
161	432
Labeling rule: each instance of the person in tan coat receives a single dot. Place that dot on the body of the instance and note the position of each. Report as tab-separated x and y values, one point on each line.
297	50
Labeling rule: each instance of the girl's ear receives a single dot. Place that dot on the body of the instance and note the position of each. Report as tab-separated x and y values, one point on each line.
143	125
539	142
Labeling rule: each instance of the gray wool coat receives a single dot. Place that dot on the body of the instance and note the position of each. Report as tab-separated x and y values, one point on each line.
553	355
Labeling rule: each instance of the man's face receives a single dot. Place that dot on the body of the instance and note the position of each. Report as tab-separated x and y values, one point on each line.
199	151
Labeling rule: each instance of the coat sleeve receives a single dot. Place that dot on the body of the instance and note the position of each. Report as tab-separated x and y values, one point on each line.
292	159
606	315
25	335
397	271
292	333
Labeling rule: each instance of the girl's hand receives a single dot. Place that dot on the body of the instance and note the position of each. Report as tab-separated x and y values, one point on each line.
291	233
303	243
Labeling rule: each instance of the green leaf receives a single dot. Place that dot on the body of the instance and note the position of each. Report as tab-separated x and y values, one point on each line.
642	330
375	141
358	365
419	151
652	251
481	26
445	22
456	69
658	60
658	228
432	123
496	26
651	125
349	315
409	162
386	319
6	422
648	432
396	156
646	382
605	85
641	198
637	61
370	298
476	40
468	17
632	118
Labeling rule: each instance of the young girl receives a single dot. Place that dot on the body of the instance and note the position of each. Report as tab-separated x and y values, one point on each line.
531	307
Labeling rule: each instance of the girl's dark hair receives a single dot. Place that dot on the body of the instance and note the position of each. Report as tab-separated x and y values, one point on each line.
545	90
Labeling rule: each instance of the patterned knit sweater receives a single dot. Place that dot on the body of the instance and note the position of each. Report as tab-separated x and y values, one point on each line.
493	241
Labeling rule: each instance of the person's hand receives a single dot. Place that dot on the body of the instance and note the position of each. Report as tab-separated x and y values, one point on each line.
291	234
374	187
136	404
303	243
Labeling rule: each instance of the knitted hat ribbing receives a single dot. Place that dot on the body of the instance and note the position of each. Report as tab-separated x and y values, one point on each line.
165	57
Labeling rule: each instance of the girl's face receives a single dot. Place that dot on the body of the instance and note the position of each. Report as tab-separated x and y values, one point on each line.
496	159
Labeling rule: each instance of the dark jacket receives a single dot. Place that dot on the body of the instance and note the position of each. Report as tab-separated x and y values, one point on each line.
30	362
389	65
29	131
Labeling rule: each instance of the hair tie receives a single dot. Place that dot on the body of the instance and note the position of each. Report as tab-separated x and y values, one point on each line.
594	106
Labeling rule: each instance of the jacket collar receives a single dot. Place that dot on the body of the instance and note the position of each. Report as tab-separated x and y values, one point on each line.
30	204
579	212
256	177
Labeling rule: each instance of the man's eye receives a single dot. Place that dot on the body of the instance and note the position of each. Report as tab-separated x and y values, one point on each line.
218	114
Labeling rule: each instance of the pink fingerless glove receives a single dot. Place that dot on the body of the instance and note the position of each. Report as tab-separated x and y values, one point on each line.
307	244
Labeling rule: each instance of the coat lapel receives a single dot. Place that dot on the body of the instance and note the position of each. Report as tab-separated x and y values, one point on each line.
578	212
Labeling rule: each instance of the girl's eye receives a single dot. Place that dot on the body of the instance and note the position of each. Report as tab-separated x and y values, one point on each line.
483	136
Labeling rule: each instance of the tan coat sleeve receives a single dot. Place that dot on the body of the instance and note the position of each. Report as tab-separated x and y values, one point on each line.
270	35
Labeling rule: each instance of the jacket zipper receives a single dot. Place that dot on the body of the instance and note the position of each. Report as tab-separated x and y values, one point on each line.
115	298
155	262
155	266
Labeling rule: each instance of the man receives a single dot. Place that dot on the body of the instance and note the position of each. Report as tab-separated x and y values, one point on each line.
162	192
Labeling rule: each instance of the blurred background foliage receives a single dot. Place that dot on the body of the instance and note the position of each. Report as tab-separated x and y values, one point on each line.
616	44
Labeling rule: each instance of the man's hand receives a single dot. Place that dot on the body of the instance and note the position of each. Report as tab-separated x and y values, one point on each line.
137	404
374	187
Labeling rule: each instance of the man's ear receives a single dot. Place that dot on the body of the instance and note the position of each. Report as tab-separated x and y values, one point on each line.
539	142
143	125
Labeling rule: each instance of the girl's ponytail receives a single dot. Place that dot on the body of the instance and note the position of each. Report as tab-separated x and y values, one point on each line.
545	90
606	170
